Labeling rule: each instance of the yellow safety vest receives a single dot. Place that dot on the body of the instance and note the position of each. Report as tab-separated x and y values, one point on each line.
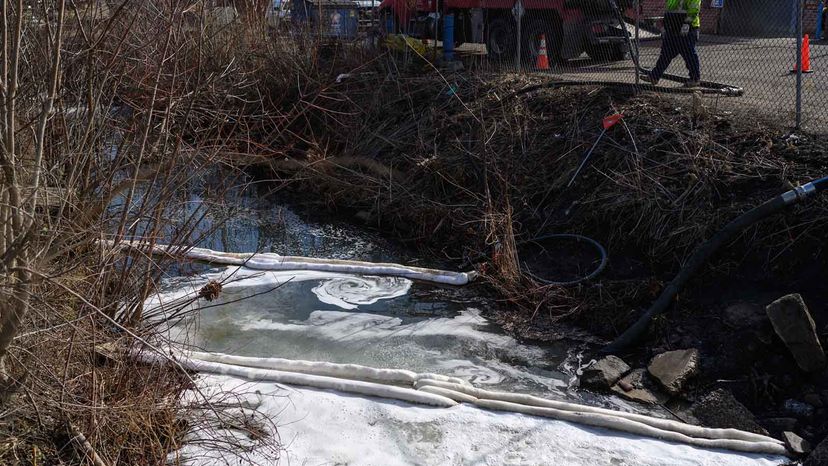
691	8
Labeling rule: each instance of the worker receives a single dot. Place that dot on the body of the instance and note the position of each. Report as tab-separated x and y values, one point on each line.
824	19
681	33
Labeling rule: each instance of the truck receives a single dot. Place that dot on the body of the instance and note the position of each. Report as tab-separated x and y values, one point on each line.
569	27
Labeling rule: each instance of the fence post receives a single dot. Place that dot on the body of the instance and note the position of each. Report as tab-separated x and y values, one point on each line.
517	12
799	9
517	46
637	41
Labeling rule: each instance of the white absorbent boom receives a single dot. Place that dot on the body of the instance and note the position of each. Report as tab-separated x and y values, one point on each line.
275	262
445	392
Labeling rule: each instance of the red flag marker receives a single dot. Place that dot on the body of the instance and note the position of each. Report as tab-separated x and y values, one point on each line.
608	122
611	120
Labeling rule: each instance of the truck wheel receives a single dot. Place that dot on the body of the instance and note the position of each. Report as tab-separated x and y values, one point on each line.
532	31
612	52
501	39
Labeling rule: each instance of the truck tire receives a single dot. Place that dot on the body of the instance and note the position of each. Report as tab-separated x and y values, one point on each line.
501	39
609	52
531	32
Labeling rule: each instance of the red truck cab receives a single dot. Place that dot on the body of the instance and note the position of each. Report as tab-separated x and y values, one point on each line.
570	27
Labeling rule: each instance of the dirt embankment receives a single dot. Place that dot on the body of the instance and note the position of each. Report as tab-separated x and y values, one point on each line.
474	168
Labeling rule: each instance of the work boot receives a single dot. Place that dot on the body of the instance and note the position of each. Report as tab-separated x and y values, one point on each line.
693	83
649	79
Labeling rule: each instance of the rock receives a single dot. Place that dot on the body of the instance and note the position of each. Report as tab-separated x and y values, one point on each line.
777	425
796	444
109	352
813	399
819	457
673	368
636	386
798	409
794	325
363	216
744	315
807	433
604	373
720	409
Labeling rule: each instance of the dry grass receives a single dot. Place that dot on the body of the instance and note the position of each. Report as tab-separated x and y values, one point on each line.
470	166
121	149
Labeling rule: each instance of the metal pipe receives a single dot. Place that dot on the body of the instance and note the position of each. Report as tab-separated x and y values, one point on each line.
586	157
517	11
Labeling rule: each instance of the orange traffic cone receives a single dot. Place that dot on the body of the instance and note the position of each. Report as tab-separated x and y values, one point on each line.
806	56
543	59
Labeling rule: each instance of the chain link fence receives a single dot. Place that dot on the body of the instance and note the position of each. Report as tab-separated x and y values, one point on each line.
746	45
755	46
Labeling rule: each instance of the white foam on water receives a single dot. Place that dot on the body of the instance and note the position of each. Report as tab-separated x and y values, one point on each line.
351	292
471	372
350	326
323	427
231	277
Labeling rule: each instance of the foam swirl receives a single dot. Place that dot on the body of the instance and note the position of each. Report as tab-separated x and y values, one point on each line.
351	292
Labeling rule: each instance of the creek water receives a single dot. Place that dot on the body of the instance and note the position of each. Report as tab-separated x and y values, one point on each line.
375	321
386	323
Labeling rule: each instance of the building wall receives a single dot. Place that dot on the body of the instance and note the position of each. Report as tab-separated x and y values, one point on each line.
809	20
710	16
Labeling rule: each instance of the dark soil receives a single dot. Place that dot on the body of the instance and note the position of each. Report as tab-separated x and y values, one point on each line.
559	259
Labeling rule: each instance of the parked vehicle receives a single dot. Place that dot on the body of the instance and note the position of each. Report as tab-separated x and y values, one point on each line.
570	27
331	19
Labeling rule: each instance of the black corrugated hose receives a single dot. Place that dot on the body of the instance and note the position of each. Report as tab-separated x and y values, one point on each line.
703	253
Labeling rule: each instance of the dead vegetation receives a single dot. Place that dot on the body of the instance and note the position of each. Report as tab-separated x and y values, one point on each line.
473	166
95	144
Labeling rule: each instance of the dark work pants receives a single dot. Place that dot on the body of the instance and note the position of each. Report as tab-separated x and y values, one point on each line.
673	45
